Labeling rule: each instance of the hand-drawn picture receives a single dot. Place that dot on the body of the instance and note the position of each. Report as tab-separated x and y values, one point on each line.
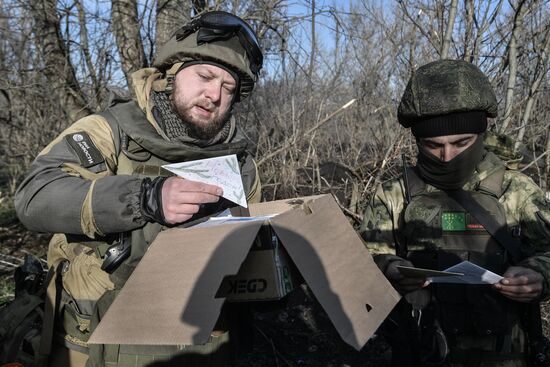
221	171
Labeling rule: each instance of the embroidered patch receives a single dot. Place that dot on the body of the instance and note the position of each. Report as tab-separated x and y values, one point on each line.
85	149
453	221
474	226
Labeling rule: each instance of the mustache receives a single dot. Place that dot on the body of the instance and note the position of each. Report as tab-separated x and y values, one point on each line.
205	104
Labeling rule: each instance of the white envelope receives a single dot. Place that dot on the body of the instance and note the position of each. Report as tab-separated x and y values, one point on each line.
473	274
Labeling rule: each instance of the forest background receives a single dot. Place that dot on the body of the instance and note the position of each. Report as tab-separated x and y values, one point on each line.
322	118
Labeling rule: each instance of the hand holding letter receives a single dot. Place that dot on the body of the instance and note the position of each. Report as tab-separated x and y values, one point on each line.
404	284
181	198
520	284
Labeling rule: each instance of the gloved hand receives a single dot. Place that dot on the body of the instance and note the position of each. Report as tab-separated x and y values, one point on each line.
151	200
173	200
400	282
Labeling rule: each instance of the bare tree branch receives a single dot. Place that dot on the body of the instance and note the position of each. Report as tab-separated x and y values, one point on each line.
540	72
58	68
171	15
126	27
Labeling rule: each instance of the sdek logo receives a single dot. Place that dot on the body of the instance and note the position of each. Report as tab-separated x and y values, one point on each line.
247	286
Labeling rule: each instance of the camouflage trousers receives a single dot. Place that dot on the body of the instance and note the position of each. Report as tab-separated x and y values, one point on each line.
462	351
473	359
489	351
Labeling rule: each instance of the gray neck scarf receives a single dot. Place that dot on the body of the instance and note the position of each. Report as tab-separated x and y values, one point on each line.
176	129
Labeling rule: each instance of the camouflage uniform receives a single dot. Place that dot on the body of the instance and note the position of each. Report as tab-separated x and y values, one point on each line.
89	194
434	92
525	207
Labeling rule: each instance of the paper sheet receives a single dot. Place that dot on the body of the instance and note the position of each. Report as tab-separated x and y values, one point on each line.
409	271
216	221
473	274
221	171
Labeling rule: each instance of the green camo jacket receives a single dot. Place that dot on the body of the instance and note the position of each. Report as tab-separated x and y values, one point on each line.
522	200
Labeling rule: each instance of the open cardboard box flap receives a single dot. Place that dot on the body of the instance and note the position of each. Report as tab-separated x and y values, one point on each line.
170	297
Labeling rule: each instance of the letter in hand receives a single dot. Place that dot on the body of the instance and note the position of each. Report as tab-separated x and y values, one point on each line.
402	283
182	198
520	284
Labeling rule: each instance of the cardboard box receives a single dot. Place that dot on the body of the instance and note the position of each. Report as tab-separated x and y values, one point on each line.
171	296
265	274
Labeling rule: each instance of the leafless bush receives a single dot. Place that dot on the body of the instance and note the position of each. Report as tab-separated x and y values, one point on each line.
319	57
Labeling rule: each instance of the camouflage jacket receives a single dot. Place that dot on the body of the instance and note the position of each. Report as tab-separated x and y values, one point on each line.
522	200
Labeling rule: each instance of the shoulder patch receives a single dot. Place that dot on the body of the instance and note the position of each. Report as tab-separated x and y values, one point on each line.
85	149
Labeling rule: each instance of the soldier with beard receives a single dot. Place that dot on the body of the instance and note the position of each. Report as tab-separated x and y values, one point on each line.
100	183
460	202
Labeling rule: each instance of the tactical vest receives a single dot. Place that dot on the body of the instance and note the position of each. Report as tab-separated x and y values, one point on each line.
140	152
135	141
436	233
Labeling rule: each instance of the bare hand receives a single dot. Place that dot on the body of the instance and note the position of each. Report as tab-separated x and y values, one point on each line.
400	282
182	198
520	284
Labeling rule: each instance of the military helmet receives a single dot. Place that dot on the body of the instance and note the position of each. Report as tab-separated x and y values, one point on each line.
215	37
447	97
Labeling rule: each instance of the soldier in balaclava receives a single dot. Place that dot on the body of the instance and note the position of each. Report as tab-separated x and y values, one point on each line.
99	183
459	203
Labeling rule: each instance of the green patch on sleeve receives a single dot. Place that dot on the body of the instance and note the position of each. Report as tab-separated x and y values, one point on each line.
453	221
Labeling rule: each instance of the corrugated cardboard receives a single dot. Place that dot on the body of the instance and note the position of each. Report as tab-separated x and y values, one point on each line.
264	274
171	296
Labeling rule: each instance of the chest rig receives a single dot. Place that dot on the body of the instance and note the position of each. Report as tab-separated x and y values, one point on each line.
437	232
142	152
139	153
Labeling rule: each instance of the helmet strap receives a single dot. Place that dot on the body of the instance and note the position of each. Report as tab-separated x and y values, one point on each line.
170	76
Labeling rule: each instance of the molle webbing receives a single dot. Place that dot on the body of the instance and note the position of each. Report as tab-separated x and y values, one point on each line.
509	243
492	185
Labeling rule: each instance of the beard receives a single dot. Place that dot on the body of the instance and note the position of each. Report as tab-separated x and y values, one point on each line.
199	127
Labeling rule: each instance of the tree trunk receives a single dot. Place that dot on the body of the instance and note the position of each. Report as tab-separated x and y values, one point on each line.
539	74
58	68
313	43
469	10
547	166
449	30
512	67
126	26
84	45
171	15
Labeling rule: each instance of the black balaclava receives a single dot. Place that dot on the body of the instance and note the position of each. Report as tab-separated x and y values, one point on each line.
451	175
